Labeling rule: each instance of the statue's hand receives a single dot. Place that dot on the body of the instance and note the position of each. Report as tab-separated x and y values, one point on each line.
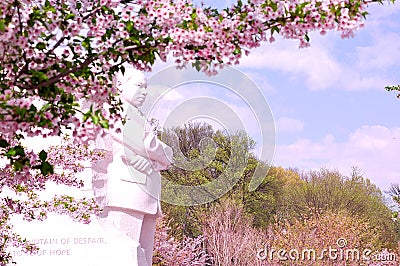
140	163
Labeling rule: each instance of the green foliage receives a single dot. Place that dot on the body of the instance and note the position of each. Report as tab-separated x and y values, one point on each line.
394	88
326	190
202	155
264	202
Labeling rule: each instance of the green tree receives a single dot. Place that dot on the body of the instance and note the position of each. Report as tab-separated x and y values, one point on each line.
327	190
202	155
262	203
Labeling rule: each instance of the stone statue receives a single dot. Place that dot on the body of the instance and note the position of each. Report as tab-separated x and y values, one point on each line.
127	182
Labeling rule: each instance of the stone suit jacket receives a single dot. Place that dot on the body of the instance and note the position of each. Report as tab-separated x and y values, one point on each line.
122	185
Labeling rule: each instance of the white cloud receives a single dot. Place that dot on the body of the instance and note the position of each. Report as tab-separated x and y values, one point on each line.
314	62
374	149
321	68
287	124
383	53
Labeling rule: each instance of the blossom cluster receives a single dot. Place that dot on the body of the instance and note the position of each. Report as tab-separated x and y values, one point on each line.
170	251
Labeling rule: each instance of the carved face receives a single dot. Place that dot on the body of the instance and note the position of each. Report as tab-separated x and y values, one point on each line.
132	86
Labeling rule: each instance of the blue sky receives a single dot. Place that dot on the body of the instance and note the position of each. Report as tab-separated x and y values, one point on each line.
328	101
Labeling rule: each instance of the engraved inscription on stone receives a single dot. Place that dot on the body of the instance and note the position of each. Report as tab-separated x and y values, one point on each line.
63	242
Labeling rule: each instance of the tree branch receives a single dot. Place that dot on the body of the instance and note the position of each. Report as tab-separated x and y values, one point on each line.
54	79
